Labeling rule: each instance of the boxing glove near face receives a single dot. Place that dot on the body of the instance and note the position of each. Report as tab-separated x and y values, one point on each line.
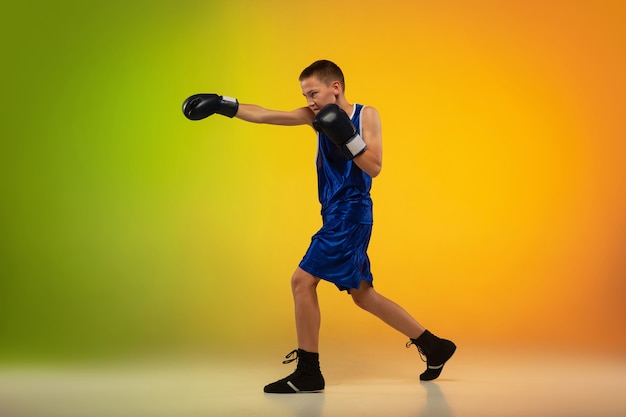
335	123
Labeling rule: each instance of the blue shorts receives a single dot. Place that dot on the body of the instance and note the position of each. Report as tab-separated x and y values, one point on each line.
338	254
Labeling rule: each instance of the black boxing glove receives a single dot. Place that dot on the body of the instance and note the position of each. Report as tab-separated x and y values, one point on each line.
200	106
336	124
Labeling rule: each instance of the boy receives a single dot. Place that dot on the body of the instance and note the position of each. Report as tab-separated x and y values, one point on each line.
349	156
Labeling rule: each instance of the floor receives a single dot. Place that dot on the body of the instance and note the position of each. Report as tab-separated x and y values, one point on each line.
473	384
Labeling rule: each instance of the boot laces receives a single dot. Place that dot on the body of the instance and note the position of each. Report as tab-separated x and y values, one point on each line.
419	350
291	356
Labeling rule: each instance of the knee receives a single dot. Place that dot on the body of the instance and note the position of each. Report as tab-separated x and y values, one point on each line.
362	299
358	301
303	281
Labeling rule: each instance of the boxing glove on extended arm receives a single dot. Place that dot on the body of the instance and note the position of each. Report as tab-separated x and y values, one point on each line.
200	106
336	124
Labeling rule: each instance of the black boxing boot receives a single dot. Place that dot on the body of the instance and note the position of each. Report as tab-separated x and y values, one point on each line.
437	352
306	378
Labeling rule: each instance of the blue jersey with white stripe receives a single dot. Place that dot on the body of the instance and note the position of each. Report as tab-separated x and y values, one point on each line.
343	188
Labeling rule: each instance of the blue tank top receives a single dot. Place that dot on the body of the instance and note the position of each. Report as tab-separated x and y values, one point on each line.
343	188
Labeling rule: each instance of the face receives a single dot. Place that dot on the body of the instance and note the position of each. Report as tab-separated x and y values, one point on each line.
318	94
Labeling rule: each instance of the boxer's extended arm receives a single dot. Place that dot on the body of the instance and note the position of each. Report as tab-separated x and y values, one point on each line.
201	106
257	114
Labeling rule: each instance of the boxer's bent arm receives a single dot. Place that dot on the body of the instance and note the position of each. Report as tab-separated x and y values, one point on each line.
257	114
371	161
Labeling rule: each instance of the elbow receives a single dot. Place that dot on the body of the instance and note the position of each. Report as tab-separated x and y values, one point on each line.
369	164
374	171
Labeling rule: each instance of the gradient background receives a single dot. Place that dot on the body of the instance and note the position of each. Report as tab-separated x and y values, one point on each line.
127	230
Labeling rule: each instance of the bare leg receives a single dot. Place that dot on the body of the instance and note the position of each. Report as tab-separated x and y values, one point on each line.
391	313
307	309
307	377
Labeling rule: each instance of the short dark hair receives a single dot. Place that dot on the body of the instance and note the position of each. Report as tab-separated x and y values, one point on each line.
326	71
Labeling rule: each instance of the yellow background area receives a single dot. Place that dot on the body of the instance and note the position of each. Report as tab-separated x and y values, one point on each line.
128	229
